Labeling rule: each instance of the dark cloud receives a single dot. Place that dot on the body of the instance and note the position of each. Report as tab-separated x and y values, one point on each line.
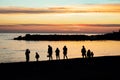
26	10
91	25
74	9
103	25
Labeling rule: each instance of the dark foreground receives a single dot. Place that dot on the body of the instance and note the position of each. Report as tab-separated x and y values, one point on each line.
98	68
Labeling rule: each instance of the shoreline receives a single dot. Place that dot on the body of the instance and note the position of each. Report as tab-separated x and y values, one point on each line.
106	67
59	60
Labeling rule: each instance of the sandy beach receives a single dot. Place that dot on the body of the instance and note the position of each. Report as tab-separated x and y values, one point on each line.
97	68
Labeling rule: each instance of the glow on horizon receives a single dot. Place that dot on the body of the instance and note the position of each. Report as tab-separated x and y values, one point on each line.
58	22
78	28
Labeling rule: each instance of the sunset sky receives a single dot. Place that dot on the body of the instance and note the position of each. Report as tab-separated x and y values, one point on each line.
91	16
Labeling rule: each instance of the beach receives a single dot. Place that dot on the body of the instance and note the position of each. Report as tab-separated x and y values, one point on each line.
60	40
97	68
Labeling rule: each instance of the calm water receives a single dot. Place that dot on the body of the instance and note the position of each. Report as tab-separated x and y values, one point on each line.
14	51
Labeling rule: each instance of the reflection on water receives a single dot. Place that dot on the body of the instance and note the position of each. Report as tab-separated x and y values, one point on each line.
13	50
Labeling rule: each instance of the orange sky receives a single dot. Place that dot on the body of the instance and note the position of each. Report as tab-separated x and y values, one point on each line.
13	18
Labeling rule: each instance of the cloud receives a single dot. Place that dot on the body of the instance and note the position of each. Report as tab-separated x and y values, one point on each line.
101	25
24	10
64	9
62	25
60	28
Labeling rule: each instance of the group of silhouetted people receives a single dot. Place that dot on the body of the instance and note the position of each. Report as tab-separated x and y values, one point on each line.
85	53
57	51
50	52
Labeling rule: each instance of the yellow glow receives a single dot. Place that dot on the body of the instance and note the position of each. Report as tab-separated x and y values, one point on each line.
67	18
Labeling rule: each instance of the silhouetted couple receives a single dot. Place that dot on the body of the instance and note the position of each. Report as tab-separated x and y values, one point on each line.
86	54
64	53
90	54
27	54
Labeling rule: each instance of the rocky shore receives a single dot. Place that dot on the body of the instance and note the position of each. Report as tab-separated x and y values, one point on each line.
107	36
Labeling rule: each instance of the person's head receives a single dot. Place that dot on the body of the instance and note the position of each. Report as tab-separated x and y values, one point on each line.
27	49
89	50
48	45
92	52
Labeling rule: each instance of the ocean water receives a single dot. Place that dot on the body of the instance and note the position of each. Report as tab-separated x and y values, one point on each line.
14	50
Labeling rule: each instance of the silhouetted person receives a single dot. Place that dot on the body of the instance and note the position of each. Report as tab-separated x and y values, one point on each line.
83	51
65	52
50	52
27	52
92	54
37	56
57	51
88	53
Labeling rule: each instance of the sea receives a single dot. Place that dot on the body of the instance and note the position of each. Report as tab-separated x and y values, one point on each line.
14	50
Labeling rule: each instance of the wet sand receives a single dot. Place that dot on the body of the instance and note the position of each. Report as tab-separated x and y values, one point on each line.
97	68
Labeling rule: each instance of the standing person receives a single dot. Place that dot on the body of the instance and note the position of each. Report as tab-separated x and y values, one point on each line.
50	52
37	56
27	52
57	51
88	53
65	52
92	54
83	51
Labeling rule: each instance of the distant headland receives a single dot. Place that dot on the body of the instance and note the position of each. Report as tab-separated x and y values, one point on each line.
107	36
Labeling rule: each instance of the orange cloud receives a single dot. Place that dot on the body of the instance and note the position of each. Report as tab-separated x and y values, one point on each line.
60	28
